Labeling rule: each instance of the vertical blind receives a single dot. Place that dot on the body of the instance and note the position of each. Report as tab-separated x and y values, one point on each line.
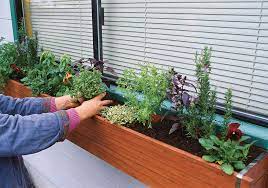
63	26
167	33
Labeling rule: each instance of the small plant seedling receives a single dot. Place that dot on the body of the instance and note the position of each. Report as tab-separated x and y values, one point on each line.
120	114
87	84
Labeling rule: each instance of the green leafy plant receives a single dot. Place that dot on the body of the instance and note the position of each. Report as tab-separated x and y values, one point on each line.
87	84
48	76
17	58
28	53
8	56
201	112
228	112
2	82
120	114
229	154
144	91
229	151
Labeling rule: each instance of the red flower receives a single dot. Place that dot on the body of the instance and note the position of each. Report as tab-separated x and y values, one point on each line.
234	133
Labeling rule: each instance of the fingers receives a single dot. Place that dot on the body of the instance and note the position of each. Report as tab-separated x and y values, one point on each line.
106	102
81	100
103	107
100	96
74	100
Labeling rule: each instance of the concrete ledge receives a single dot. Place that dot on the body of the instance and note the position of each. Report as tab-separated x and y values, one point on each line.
65	165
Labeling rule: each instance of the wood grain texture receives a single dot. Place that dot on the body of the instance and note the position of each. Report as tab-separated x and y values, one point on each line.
153	162
150	161
17	90
257	176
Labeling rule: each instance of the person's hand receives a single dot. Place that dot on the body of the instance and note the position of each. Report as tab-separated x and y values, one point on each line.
66	102
92	107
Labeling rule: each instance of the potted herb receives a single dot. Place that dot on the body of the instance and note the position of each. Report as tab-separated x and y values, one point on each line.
87	84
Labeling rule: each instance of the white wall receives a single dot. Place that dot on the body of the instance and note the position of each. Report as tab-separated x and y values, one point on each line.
6	29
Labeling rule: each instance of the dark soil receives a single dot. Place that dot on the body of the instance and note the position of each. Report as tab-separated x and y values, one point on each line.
179	139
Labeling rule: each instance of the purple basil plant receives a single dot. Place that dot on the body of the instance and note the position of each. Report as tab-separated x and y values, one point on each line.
90	63
179	93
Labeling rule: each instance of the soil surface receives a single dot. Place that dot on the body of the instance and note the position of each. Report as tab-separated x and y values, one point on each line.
179	139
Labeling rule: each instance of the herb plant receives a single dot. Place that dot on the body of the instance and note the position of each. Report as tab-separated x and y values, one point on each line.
91	63
200	114
179	92
17	58
48	76
228	112
8	56
229	151
2	82
229	154
27	51
120	114
87	84
151	84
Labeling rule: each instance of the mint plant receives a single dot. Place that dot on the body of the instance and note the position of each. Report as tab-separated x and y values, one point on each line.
120	114
87	84
200	114
150	85
48	76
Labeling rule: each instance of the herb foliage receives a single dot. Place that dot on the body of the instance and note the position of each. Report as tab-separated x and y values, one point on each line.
151	83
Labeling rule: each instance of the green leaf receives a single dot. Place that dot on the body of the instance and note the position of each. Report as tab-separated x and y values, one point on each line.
227	168
209	158
238	154
239	165
244	138
215	139
206	143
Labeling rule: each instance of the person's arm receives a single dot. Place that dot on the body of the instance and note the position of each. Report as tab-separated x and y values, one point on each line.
21	135
25	106
31	105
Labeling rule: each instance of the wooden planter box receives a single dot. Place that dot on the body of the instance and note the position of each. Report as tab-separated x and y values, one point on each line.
156	163
16	89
